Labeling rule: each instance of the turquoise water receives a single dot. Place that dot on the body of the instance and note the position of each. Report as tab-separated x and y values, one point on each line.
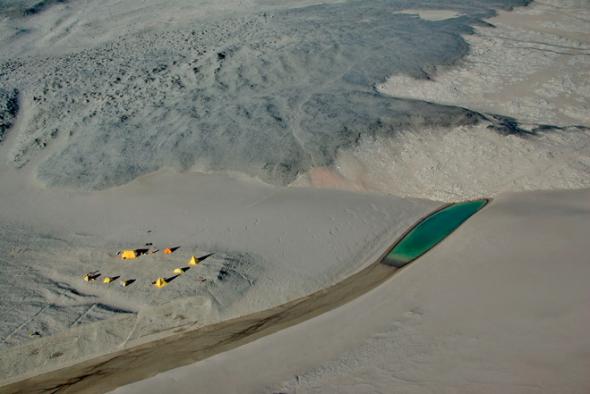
431	231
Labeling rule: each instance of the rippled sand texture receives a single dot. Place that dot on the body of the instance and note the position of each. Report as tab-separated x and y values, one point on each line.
532	64
267	93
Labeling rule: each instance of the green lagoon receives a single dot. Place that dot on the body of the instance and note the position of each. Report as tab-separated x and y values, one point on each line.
430	231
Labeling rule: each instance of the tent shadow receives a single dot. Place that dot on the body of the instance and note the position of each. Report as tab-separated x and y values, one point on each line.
128	282
204	257
141	251
171	278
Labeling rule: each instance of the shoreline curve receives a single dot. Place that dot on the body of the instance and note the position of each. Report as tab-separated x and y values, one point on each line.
107	372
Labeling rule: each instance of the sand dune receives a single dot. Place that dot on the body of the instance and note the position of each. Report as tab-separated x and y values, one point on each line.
272	245
182	123
500	305
532	64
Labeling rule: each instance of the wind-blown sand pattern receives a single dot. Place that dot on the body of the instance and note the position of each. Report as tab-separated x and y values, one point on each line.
532	64
187	345
152	124
268	243
285	89
485	310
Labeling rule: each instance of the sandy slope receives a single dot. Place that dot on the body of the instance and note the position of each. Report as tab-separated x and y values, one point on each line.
464	162
104	98
501	305
432	15
189	344
532	64
488	309
272	245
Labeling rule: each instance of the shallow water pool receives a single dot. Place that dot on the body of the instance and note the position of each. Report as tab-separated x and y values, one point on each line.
430	231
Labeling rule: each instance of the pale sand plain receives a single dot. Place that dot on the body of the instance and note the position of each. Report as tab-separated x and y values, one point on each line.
499	306
489	308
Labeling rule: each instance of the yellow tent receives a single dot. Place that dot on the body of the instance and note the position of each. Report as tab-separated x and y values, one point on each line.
160	282
128	254
89	277
107	279
193	261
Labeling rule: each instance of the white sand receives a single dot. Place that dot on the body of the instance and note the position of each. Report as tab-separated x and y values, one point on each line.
431	15
501	305
274	245
534	65
462	162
